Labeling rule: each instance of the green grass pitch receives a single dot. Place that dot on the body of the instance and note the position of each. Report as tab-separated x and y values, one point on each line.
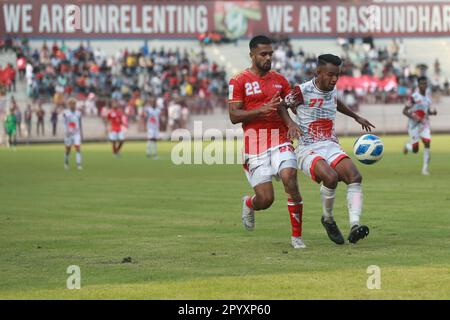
181	226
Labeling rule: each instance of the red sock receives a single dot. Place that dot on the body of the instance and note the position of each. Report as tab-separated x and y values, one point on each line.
249	202
296	213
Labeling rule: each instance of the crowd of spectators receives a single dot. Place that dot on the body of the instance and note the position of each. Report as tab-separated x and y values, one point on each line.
133	78
362	58
187	82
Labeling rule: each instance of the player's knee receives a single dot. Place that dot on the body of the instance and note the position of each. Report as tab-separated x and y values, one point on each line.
291	186
356	178
330	180
266	201
290	182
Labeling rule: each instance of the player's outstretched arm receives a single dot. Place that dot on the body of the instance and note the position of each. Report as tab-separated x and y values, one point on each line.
238	114
365	124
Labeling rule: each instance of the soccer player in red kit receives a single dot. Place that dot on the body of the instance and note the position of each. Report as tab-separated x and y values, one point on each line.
118	123
254	98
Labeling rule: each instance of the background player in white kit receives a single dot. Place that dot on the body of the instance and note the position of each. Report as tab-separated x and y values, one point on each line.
418	111
319	154
72	132
152	113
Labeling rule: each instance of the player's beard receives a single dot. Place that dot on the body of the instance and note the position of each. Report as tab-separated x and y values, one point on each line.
265	66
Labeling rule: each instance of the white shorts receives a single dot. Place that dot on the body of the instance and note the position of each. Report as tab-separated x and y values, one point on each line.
419	131
117	136
307	156
262	167
72	140
152	134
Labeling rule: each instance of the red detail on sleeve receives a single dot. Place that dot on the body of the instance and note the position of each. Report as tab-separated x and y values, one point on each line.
295	97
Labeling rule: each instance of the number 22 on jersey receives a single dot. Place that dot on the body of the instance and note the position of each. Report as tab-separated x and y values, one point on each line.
252	88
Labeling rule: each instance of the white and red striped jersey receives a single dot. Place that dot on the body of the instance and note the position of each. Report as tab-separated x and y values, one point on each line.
420	105
72	122
152	115
316	112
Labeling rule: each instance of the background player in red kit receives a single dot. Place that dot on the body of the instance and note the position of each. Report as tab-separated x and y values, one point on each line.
254	98
117	124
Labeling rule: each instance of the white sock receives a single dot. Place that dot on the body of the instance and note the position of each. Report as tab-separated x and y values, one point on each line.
327	202
78	157
149	148
426	159
354	202
409	147
155	150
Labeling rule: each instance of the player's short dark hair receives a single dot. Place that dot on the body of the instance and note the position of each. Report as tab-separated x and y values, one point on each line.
422	78
329	58
259	40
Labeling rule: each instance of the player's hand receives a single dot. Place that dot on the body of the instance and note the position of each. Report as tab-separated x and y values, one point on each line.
270	106
433	112
365	124
294	131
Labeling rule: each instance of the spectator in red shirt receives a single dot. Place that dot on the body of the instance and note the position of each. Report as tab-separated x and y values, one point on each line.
21	64
10	75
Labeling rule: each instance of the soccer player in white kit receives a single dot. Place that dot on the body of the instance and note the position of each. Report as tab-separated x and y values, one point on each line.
418	110
152	114
319	154
72	132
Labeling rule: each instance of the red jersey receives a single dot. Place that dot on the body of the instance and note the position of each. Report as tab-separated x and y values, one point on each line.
115	118
263	132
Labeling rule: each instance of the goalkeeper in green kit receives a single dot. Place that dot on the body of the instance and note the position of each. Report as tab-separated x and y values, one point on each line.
10	127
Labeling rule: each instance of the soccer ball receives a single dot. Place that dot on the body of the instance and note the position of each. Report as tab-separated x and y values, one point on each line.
368	149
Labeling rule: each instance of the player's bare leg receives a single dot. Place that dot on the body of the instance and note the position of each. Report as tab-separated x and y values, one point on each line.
329	178
114	148
78	157
119	146
426	156
261	200
66	157
349	174
295	205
